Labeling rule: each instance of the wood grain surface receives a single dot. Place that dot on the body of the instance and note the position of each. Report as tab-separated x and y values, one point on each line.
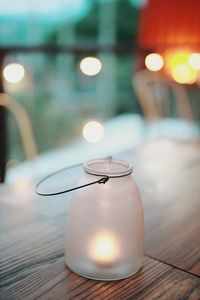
32	267
168	175
32	236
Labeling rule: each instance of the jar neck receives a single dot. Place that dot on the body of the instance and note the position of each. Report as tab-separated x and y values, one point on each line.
112	168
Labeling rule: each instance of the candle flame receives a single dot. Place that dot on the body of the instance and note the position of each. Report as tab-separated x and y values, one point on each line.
104	248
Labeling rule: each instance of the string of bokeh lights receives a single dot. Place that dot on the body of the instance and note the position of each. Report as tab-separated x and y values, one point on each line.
183	67
93	131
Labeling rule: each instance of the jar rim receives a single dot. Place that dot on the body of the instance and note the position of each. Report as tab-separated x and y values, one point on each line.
108	166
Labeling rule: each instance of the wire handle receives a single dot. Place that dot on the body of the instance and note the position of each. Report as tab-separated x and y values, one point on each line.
103	180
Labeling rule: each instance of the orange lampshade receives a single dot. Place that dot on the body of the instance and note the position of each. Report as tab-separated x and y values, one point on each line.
169	24
169	30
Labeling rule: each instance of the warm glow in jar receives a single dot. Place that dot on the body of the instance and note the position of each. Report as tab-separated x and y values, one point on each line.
105	231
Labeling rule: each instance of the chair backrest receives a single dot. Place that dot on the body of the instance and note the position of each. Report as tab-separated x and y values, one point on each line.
23	123
152	89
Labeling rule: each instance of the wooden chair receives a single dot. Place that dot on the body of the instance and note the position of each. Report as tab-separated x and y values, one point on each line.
23	123
152	89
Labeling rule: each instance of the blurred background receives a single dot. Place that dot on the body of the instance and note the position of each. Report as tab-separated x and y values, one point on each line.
95	77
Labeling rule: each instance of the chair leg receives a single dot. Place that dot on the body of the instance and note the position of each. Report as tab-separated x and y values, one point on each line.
3	140
2	143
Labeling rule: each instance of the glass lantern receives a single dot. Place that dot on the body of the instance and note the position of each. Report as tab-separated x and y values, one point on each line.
105	227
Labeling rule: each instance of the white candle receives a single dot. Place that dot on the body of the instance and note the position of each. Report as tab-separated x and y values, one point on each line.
104	249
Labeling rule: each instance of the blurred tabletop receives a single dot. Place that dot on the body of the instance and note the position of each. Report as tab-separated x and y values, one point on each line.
33	231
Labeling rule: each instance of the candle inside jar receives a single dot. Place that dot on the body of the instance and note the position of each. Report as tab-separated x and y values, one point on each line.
104	249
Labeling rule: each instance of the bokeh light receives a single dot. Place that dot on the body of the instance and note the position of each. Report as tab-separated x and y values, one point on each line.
90	66
177	64
22	185
194	60
13	72
183	74
154	62
93	131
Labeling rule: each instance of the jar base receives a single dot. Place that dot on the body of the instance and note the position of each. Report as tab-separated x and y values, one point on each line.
115	274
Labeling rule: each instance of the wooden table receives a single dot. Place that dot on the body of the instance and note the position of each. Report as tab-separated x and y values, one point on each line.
32	236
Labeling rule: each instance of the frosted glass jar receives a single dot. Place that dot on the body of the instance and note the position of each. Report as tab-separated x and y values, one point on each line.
105	231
